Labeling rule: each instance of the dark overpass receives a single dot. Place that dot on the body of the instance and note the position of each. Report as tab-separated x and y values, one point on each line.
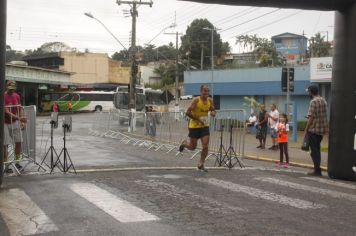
342	137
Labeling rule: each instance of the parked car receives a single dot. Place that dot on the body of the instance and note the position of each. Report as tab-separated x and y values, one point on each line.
186	97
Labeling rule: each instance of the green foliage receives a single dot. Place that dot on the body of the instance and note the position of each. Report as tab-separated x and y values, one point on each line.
197	37
13	55
318	47
251	103
301	125
167	73
263	49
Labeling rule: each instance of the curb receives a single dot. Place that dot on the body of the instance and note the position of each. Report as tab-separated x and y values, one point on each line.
267	159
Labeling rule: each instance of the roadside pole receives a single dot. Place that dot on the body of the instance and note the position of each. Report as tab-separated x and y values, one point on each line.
2	82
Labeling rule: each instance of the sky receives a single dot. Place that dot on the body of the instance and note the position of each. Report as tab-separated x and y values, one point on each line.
30	23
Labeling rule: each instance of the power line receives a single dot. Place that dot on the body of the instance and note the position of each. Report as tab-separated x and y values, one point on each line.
248	21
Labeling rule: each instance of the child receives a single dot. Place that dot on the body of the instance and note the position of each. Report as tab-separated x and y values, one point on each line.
282	129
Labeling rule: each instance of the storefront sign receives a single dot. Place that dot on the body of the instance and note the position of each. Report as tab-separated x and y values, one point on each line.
321	69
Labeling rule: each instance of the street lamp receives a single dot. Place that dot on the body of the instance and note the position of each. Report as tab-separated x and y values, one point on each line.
212	59
88	14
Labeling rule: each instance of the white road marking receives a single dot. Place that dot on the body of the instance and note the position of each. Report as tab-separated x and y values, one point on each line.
257	193
331	193
332	182
22	216
198	200
120	209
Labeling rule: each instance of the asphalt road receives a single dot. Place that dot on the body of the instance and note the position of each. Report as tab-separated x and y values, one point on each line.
122	189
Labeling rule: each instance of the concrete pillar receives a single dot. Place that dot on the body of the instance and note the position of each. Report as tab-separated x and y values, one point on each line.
342	153
2	79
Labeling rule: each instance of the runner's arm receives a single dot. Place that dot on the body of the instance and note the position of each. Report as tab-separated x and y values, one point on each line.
190	109
212	108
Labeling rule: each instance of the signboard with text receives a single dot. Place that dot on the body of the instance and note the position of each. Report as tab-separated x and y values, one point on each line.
321	69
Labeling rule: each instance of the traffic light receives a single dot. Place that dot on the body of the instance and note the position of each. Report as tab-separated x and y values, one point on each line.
284	85
291	79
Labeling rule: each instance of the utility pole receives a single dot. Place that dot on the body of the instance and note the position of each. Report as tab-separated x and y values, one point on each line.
132	50
177	75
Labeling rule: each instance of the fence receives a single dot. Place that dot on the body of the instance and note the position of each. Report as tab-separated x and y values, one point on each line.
16	132
166	130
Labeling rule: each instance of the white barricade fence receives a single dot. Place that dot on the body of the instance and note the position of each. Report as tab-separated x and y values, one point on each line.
23	133
166	130
227	133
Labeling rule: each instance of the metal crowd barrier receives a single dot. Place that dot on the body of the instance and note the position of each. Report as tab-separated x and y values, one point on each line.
28	135
166	130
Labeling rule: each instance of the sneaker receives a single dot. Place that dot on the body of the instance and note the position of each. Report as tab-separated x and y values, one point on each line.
286	165
279	164
271	148
9	171
18	166
181	147
202	168
259	146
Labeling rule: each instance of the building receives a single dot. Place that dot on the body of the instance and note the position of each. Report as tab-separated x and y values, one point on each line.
229	87
292	47
95	70
32	79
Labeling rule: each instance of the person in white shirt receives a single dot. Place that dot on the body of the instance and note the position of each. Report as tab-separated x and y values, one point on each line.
272	122
251	120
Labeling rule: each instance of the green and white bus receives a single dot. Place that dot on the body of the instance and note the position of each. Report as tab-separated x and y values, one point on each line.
81	100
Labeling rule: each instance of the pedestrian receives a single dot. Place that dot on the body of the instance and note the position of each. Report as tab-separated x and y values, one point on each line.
55	107
14	121
282	129
151	121
70	106
199	124
251	122
272	121
317	126
261	127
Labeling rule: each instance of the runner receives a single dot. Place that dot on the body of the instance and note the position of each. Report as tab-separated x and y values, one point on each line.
199	125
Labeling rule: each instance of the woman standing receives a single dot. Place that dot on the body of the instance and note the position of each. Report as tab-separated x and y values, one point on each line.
261	127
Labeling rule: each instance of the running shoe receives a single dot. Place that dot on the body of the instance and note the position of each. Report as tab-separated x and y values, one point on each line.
286	165
181	147
202	168
279	164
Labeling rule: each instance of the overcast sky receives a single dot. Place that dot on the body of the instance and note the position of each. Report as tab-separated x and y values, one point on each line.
30	23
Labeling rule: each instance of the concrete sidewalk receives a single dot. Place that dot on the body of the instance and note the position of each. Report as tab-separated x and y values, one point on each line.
296	155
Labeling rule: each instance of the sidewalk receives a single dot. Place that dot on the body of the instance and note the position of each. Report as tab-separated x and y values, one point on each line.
296	155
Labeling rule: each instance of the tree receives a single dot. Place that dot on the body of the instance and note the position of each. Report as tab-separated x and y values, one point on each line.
318	47
13	55
262	48
123	55
195	37
166	72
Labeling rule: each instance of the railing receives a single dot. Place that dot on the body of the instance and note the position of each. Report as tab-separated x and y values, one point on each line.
22	133
166	130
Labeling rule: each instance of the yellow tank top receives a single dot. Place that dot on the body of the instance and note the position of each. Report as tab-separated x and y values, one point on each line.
201	111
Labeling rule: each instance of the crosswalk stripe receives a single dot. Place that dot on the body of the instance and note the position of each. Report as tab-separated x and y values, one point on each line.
312	189
120	209
22	216
331	182
213	205
270	196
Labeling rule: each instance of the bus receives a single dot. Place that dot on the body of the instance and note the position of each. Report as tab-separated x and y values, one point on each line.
144	97
81	100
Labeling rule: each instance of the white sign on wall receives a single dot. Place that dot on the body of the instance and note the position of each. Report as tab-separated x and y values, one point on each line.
321	69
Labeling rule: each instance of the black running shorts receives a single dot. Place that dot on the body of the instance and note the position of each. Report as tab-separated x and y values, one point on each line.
198	132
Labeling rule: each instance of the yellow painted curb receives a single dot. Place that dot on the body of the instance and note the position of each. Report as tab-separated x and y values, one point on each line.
256	158
144	168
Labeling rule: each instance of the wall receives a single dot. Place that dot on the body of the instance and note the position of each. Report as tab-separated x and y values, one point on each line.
117	73
88	68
